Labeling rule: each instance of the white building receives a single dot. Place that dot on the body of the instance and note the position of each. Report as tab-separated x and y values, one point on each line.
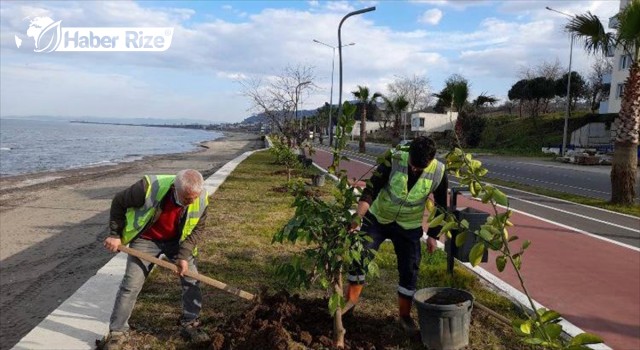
621	65
370	126
433	122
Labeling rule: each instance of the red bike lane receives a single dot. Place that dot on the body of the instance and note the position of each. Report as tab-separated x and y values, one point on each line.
594	284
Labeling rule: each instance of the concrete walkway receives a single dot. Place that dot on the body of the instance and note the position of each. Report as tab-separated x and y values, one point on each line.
84	317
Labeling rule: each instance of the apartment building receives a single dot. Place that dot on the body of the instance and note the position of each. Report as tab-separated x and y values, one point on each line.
621	65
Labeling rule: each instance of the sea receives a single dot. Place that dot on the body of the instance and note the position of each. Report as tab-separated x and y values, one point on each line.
31	146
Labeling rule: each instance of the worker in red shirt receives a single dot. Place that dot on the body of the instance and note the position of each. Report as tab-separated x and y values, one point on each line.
160	214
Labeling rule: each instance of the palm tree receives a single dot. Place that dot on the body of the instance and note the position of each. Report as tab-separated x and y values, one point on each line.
589	29
362	94
395	107
455	92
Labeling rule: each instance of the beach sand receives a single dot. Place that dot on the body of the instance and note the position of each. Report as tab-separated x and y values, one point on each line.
52	226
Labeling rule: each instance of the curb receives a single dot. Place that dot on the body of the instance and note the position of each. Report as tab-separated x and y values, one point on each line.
84	317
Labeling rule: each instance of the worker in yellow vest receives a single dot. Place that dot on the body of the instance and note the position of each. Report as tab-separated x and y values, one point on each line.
160	214
392	207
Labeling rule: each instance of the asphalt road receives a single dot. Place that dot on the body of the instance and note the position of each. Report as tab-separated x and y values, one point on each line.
587	181
607	225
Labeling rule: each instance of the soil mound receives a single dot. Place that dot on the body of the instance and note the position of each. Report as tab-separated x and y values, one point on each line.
286	322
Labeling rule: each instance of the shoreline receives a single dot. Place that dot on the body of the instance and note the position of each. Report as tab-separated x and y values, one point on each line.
9	183
197	147
53	224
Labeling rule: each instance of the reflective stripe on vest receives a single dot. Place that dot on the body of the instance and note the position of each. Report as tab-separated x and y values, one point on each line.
194	213
396	203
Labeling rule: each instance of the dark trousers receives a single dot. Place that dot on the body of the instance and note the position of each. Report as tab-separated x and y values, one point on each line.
406	244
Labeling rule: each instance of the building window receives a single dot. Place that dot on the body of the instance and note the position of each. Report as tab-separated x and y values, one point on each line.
625	62
421	122
619	90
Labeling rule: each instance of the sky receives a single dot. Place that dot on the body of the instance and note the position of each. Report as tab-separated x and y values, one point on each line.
217	44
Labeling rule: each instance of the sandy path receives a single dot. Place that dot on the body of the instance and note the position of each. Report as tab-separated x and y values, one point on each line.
52	225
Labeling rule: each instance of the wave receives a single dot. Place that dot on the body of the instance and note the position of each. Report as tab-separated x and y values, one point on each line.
5	148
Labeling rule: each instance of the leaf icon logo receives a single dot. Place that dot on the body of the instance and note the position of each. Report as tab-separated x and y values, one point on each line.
49	38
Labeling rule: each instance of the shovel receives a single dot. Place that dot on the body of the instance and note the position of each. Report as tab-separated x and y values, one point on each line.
194	275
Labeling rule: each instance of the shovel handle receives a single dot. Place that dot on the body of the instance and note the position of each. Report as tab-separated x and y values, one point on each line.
204	279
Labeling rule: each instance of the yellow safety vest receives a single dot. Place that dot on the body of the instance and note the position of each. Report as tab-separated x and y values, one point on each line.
137	219
396	203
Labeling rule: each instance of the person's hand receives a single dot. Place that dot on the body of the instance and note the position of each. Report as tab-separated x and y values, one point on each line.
112	243
432	245
356	221
183	266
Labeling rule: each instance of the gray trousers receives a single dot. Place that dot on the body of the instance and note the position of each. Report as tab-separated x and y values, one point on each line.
137	271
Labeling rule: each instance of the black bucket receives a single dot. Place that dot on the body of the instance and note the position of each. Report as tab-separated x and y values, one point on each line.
444	315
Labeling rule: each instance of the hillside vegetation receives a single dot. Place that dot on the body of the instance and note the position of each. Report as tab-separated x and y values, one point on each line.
526	135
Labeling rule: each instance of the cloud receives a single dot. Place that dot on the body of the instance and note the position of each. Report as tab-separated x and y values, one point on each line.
431	17
339	6
454	4
196	76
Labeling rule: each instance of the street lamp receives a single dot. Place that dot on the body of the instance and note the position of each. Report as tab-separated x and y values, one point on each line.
368	9
566	117
296	102
333	59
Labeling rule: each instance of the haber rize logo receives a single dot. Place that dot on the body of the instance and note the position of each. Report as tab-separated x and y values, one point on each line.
49	35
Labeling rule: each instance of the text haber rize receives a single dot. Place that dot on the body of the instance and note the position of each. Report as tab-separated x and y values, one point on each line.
133	40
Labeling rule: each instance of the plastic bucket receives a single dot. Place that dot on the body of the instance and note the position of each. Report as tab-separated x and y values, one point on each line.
444	316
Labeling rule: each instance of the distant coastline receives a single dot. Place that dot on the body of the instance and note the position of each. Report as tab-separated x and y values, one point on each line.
181	126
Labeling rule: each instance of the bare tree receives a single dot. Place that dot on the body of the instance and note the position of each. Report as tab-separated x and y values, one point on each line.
414	89
277	97
597	89
549	70
545	69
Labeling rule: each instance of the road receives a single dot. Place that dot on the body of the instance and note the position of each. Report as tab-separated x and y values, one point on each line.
587	181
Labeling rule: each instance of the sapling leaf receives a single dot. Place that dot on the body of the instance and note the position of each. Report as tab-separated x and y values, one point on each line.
501	262
475	256
585	338
499	197
461	238
437	221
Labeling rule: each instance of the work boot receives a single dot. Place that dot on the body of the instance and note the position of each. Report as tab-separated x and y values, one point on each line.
404	319
353	292
192	332
114	340
352	295
408	325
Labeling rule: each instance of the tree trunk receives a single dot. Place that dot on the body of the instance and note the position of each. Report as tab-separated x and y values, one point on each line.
624	167
363	128
623	173
338	327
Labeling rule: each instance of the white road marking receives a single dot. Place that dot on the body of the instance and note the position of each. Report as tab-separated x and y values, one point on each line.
551	183
566	201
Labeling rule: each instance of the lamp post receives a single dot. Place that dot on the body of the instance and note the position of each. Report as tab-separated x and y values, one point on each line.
296	101
566	117
333	59
368	9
